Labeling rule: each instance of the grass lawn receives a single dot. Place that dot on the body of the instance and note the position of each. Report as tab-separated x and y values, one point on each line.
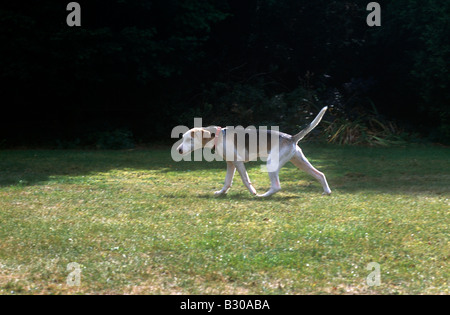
138	223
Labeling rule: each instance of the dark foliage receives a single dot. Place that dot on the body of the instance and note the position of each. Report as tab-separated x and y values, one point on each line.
137	68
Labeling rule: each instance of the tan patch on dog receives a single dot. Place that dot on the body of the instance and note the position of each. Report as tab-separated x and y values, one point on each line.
202	135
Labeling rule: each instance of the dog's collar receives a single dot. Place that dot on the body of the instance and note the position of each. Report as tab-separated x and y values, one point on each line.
216	139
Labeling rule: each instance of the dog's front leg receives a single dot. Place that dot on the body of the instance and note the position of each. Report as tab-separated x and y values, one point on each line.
231	169
244	175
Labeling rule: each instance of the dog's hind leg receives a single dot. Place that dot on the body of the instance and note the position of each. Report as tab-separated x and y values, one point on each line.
231	169
274	185
302	163
275	162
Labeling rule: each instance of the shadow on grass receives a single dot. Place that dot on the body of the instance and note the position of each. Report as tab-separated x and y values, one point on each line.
245	197
411	170
25	168
34	167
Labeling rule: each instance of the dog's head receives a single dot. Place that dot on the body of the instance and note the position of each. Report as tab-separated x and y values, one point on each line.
194	139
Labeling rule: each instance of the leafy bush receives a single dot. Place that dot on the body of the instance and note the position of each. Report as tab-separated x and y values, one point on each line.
364	131
352	118
64	144
250	104
118	139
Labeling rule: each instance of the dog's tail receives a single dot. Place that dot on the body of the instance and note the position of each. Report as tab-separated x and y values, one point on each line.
311	126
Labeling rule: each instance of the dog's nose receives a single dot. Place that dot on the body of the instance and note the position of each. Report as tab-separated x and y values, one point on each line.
180	150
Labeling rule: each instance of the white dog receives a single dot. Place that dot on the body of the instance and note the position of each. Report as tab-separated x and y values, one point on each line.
237	148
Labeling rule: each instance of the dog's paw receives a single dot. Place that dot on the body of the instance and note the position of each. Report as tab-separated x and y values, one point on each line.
270	192
219	193
326	193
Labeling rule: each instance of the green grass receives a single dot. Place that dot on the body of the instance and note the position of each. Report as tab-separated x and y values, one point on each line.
139	223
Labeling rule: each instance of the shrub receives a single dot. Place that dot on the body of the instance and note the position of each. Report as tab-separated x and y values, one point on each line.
118	139
366	128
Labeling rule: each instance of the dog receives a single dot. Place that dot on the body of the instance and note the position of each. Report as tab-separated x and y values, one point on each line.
236	147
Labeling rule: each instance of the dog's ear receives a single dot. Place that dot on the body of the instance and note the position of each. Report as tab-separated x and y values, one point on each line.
200	134
196	133
206	134
208	139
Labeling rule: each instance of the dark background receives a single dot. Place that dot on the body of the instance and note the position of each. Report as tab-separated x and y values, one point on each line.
137	68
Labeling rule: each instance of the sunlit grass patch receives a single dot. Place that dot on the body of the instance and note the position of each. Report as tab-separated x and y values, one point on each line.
137	222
